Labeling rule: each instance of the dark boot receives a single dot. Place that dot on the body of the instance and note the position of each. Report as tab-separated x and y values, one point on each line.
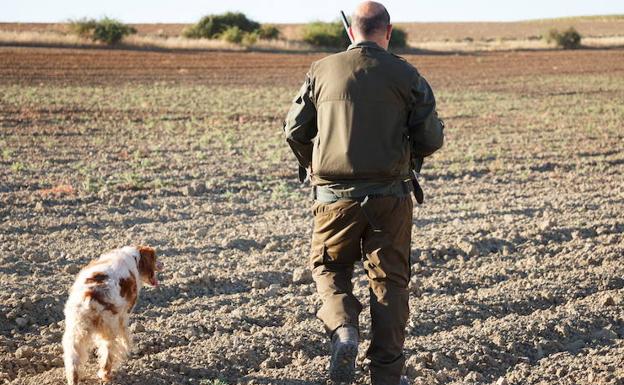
343	355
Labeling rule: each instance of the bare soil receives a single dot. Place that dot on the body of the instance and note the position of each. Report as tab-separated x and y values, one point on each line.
517	252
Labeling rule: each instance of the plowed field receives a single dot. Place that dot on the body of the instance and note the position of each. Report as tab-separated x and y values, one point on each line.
517	253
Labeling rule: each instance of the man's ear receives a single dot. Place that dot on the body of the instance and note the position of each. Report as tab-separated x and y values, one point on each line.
389	32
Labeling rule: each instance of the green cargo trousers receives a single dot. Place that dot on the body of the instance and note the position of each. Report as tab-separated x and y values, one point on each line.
380	234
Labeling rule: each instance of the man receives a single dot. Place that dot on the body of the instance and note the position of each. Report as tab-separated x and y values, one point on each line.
361	120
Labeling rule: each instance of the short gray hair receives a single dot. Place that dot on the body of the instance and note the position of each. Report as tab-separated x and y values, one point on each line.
369	25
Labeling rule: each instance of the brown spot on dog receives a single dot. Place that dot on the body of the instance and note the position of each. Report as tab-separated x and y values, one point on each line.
128	289
101	298
97	278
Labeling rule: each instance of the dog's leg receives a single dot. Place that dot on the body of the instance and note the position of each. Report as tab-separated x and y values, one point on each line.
106	356
126	338
74	352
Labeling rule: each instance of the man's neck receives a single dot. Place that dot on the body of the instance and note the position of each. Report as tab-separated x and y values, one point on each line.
359	41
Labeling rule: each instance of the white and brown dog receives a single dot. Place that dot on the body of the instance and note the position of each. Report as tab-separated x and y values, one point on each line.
96	313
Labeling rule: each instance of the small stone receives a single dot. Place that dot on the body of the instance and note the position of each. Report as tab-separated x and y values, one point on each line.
502	381
137	328
425	256
273	290
39	207
201	232
41	256
609	301
269	363
271	246
439	251
71	269
546	225
468	248
259	284
199	188
301	276
473	377
416	285
21	321
24	352
188	190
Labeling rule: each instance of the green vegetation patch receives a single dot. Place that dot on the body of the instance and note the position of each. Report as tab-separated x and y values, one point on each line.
568	39
232	27
106	30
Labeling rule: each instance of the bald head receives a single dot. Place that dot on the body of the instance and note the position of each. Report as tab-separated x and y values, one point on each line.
371	21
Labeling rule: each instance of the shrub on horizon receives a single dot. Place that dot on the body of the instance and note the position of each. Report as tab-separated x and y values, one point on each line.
212	26
232	35
330	35
268	32
106	30
398	40
568	39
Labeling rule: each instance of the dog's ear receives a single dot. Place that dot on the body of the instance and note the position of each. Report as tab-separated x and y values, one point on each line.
147	252
148	266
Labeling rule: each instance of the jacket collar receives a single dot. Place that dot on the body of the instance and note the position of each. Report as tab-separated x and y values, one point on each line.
365	44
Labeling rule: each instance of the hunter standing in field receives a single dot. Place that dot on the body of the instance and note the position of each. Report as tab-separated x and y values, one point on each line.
362	121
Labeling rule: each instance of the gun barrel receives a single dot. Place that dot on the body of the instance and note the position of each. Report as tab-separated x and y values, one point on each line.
345	23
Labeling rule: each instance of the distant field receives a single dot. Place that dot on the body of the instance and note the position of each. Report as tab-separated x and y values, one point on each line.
590	26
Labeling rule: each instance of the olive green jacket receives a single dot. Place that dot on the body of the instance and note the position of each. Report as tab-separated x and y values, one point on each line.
363	115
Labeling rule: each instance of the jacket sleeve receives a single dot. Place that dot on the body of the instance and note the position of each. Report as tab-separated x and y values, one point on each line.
300	124
425	129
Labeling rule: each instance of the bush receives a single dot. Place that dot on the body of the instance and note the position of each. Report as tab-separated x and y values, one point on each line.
326	35
250	38
568	39
398	40
268	32
106	30
232	35
212	26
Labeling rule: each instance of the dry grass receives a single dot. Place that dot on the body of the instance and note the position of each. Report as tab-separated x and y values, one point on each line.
510	45
54	38
44	38
177	42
